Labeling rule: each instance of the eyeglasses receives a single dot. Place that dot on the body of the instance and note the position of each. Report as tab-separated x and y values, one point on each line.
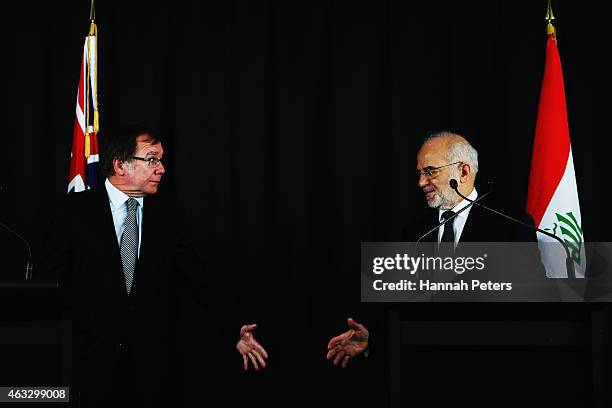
152	162
432	172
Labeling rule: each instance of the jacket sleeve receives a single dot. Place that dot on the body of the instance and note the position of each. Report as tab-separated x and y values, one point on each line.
193	273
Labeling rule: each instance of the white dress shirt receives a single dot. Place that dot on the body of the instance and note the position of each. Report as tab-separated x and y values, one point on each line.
117	200
459	220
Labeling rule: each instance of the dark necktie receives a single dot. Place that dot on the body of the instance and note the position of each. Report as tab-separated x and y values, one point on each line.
129	243
447	243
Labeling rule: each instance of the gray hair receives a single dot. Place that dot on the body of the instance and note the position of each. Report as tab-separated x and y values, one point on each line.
459	150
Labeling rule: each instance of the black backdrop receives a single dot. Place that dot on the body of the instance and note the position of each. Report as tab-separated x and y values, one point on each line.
291	129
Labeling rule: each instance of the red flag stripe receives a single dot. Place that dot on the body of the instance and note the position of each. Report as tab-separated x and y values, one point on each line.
77	160
551	145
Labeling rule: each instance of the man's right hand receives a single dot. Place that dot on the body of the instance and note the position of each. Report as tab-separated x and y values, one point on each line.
349	344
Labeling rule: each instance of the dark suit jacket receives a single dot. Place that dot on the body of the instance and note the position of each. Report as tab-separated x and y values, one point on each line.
518	259
481	226
83	255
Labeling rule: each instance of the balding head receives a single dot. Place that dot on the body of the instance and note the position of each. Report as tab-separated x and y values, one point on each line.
457	148
446	155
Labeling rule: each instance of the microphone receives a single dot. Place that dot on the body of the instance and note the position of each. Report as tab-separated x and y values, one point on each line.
28	272
569	263
453	216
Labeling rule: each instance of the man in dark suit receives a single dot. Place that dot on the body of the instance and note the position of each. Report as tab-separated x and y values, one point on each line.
119	251
444	156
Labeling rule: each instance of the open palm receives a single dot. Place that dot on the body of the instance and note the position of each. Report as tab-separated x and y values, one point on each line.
349	344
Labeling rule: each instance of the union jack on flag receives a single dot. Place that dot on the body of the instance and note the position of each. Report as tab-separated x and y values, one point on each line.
84	157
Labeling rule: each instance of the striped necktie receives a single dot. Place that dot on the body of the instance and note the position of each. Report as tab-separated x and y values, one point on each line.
129	243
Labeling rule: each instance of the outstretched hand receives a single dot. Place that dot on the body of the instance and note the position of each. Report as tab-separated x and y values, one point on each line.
250	349
349	344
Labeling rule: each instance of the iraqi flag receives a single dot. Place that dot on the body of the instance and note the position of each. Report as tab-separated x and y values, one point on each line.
84	157
553	197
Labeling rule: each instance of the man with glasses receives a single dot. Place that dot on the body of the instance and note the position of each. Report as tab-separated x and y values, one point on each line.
120	250
444	156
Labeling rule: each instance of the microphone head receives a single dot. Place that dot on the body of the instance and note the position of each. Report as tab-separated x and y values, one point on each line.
453	184
490	184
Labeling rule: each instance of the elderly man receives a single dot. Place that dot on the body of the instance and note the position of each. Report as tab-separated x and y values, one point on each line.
443	156
120	250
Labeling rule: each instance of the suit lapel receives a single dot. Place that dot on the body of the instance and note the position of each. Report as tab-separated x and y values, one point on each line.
150	213
478	226
430	222
105	226
145	266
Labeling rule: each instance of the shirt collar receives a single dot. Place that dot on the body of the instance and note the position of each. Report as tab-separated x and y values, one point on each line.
472	196
118	197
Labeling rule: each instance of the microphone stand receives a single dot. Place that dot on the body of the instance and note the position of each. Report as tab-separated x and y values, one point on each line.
569	263
451	217
28	273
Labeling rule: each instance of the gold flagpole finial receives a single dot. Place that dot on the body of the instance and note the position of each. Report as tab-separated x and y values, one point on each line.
92	12
550	28
92	18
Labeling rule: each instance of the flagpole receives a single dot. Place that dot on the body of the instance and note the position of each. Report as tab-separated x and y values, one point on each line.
90	125
550	28
87	90
92	11
551	31
569	262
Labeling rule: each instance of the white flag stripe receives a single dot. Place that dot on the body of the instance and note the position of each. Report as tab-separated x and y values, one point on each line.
80	117
565	200
93	158
77	183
